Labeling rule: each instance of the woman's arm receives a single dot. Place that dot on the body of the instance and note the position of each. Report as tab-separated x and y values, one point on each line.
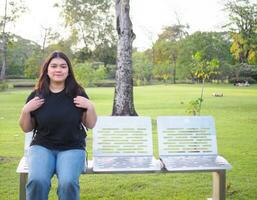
27	123
89	116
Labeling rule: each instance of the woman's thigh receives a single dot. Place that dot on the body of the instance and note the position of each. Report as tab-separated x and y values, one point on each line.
41	163
70	164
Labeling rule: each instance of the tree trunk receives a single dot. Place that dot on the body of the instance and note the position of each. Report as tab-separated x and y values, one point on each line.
3	68
174	72
44	42
174	61
123	104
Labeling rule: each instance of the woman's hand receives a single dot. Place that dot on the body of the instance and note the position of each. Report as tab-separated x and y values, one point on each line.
33	104
89	116
27	123
82	102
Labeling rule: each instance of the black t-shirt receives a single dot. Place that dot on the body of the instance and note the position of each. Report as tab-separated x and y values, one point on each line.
58	122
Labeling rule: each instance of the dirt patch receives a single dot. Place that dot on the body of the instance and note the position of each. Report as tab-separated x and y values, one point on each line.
4	159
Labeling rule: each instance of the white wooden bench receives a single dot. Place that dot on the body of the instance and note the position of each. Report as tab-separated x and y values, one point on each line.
188	144
124	145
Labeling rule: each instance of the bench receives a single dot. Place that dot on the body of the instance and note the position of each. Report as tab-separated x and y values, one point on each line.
125	145
188	144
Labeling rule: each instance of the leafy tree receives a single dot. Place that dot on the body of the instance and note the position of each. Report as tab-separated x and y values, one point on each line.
203	69
10	16
87	75
244	73
162	71
179	54
173	35
34	61
100	73
142	67
194	106
243	28
162	52
102	53
106	54
84	73
111	71
19	50
91	21
49	37
62	45
162	60
211	45
82	55
32	65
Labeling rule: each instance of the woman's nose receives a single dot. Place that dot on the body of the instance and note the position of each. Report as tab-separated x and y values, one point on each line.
58	68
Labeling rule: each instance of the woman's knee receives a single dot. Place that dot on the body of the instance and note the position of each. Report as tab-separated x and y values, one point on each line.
39	182
37	189
68	185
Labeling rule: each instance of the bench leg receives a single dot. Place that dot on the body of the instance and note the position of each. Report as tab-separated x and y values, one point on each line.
23	181
219	185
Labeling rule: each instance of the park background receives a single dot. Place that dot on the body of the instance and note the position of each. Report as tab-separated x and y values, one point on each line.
169	76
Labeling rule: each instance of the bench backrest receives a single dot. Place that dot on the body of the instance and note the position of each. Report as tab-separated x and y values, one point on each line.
122	136
186	135
28	138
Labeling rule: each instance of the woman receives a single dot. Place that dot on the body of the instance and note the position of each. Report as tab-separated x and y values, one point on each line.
55	111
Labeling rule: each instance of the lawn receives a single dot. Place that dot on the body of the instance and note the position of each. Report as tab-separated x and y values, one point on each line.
235	116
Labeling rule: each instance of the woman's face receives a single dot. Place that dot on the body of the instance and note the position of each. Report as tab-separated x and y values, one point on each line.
58	70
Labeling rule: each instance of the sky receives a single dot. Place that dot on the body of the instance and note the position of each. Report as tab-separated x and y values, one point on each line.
148	18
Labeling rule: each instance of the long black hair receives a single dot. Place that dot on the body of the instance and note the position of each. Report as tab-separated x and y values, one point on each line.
72	87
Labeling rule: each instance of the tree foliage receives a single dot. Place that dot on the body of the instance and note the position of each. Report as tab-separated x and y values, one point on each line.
19	52
243	27
105	53
32	65
91	21
142	68
169	43
175	55
13	10
203	69
210	45
162	71
86	74
174	33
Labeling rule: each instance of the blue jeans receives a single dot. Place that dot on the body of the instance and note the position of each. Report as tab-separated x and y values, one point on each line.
44	163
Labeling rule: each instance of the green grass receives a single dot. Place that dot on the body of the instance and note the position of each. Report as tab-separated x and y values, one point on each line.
236	124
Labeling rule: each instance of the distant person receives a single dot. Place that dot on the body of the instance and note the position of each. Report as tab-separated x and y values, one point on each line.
246	83
56	111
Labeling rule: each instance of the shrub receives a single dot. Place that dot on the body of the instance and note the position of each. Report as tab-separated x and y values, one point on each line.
242	80
3	86
87	75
